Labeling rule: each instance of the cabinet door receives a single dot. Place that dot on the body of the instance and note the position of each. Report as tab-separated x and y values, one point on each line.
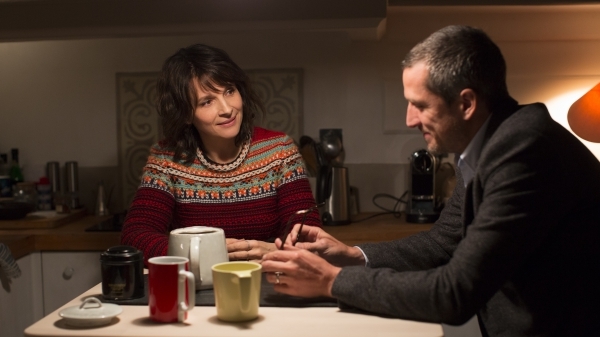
66	275
21	297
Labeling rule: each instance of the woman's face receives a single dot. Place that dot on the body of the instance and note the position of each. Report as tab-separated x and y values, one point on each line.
217	115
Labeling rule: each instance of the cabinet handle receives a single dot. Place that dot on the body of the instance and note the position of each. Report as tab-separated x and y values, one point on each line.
68	273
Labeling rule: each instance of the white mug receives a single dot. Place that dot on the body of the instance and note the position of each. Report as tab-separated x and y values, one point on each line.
204	246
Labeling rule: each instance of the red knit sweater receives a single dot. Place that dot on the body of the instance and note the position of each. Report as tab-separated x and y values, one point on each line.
251	201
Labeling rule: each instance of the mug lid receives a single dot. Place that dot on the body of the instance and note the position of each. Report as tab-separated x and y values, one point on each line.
121	253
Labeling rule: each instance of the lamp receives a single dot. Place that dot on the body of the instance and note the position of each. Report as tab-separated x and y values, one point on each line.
584	115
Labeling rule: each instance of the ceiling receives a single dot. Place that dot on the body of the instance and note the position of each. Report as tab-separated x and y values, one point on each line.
30	20
485	3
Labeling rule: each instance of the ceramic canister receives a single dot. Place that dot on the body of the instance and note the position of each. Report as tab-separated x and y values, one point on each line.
122	270
203	246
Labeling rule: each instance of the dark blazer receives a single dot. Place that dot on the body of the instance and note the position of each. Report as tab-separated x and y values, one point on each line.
519	247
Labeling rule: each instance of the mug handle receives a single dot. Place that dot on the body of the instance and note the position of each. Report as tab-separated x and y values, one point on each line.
181	292
195	257
245	291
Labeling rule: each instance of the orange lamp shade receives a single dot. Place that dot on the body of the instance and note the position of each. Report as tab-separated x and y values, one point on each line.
584	115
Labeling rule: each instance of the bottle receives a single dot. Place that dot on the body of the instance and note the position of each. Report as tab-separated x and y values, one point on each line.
15	170
4	165
44	192
5	181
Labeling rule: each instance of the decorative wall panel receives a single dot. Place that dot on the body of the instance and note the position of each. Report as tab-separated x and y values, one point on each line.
138	127
281	92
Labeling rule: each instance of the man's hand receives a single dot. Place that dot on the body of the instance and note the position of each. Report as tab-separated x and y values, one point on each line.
316	240
299	272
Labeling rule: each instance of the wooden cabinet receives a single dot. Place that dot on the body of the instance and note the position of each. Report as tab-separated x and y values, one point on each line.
66	275
48	280
21	301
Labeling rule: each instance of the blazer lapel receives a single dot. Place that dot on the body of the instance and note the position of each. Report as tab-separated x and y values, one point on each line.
468	213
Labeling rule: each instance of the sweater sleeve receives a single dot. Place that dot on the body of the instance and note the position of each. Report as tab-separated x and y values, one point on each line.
149	217
146	226
293	191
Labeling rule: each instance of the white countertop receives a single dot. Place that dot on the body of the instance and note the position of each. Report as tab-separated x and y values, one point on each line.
202	321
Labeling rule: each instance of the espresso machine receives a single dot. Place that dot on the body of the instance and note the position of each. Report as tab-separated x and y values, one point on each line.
422	206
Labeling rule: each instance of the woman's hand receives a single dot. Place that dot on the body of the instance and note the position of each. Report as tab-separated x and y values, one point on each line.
318	241
248	250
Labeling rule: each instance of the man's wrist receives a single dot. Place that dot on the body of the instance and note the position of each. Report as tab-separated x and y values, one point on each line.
357	256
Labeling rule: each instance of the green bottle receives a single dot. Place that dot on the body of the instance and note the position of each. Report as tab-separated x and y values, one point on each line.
15	170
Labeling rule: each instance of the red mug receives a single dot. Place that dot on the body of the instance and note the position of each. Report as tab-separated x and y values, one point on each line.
170	297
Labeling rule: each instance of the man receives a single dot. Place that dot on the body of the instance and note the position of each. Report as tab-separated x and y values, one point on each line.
516	244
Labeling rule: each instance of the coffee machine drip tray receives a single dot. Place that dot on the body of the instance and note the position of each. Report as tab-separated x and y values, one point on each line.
112	224
418	217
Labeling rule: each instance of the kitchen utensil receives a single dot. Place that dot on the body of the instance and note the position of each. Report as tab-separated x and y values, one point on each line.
122	269
171	291
101	205
53	174
335	191
307	150
320	154
90	313
72	188
204	246
331	142
237	290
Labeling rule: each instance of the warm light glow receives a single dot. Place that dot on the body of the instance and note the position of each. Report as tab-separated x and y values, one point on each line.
584	115
559	107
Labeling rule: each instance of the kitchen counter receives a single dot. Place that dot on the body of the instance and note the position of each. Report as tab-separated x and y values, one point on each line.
202	321
375	227
66	237
73	237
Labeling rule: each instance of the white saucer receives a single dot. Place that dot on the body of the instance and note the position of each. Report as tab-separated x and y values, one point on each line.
90	313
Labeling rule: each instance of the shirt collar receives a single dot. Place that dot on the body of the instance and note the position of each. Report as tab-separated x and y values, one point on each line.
467	162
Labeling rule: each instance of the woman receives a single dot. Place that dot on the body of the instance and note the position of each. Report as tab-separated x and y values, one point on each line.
214	168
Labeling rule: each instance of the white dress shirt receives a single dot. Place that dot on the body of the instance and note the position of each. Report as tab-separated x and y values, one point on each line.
467	162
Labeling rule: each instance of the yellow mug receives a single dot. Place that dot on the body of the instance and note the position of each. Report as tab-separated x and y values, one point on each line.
237	290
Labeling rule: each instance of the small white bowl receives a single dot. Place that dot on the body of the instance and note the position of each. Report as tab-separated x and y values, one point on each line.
90	313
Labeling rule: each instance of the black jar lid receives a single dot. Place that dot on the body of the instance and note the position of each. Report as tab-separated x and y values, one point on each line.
121	254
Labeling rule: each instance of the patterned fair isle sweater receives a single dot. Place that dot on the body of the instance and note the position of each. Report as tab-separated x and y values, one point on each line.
250	198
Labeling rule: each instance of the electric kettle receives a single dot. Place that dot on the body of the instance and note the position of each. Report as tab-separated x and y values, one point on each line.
333	189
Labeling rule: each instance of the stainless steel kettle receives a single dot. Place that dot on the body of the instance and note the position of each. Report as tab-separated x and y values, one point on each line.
333	189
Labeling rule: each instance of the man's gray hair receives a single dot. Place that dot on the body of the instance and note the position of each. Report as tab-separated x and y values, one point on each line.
460	57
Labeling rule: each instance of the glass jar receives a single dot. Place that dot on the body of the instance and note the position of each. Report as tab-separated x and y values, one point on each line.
25	192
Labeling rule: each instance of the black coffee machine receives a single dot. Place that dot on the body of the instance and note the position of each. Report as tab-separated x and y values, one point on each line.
422	206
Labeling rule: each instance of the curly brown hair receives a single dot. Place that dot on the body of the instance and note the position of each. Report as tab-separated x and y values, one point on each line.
176	95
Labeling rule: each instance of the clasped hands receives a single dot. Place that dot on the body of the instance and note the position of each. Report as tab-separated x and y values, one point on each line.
308	267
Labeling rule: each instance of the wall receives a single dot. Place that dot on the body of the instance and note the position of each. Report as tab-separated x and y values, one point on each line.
58	97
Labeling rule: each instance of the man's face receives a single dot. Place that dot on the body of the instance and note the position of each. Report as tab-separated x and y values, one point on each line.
441	124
